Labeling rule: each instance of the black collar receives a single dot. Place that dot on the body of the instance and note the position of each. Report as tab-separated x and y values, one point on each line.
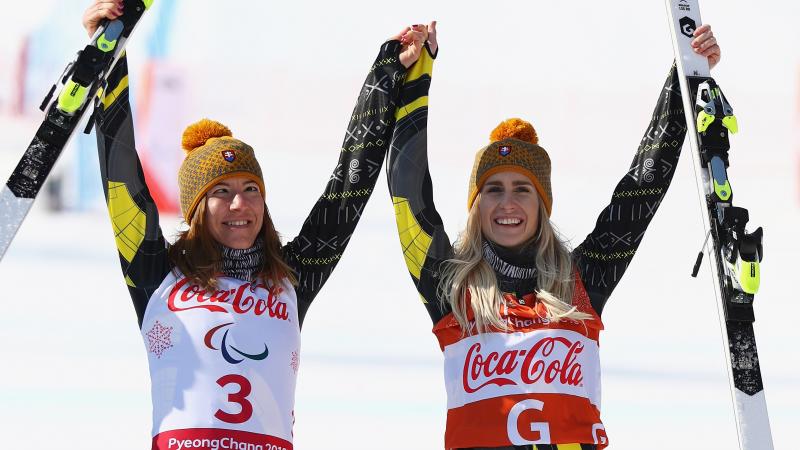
243	263
515	269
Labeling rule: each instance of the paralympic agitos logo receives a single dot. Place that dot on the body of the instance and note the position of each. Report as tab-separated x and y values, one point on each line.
226	348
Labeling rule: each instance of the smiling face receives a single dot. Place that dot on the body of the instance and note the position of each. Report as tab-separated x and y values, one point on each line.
509	209
235	212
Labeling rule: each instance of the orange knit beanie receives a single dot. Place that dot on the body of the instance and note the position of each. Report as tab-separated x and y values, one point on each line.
513	146
212	155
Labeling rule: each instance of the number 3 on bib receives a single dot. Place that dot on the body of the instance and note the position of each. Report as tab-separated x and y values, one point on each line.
542	428
239	397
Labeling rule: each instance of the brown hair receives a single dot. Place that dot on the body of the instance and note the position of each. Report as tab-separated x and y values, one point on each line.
199	256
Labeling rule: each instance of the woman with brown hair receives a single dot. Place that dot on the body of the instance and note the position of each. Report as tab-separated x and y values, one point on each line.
515	311
220	310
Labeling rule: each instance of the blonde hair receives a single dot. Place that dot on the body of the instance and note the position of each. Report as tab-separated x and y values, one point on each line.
468	277
199	257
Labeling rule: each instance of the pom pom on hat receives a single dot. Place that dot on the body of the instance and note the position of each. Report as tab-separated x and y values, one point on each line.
515	128
197	134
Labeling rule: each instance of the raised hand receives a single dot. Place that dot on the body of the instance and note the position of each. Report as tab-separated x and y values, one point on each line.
99	10
704	43
432	43
413	39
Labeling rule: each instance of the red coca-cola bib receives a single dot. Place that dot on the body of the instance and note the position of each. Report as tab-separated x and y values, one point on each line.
536	383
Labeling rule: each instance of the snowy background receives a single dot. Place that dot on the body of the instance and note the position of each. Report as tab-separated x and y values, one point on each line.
284	76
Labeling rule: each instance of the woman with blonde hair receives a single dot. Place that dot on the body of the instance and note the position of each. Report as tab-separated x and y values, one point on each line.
516	313
220	310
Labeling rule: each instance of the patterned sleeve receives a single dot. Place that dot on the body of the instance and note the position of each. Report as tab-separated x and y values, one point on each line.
605	254
314	253
423	240
134	217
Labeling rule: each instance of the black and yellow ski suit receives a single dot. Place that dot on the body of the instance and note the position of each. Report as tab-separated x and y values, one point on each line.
599	261
243	332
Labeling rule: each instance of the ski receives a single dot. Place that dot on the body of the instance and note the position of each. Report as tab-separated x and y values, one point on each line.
64	107
734	254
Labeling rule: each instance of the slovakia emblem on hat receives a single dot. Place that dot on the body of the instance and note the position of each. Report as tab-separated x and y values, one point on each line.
504	150
228	155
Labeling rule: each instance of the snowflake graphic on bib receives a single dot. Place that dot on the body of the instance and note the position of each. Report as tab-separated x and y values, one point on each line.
159	338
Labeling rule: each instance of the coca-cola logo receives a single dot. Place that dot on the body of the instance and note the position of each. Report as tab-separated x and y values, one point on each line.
242	300
549	360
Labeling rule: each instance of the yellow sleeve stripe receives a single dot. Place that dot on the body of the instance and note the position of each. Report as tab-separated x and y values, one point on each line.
568	446
409	108
413	238
423	66
127	219
129	282
114	94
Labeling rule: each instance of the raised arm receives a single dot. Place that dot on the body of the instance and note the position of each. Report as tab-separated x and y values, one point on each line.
605	254
424	242
314	253
134	217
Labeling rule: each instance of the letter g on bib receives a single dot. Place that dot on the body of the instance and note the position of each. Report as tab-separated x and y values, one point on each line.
527	434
